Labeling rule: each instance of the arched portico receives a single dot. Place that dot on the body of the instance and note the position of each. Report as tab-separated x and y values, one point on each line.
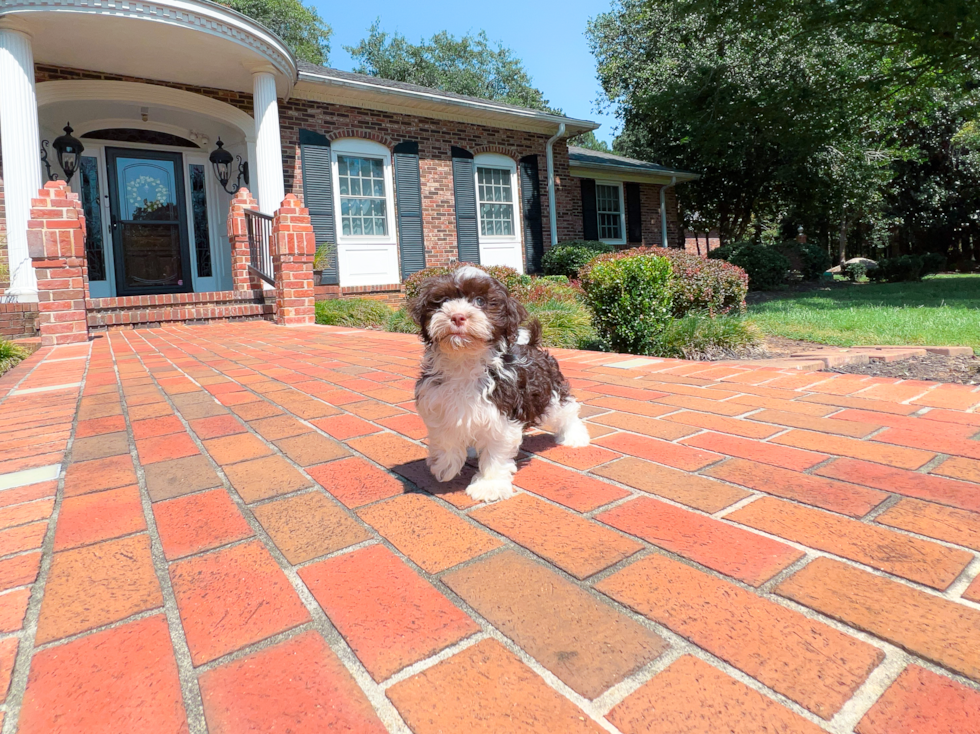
192	43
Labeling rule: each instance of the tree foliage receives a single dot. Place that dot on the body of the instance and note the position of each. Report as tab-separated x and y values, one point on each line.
471	65
796	115
590	141
919	37
300	26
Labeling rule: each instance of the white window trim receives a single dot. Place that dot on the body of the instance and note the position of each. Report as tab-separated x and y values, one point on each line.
358	146
622	210
496	160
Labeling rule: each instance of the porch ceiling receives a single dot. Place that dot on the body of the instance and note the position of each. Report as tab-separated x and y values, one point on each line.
190	42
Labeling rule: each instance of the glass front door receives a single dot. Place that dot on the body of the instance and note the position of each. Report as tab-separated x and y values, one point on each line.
148	221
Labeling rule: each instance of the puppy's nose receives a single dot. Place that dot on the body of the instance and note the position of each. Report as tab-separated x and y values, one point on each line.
458	319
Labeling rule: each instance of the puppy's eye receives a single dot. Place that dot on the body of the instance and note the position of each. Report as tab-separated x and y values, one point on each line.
479	302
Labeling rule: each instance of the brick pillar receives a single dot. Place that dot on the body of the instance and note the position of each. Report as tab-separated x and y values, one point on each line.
241	279
294	245
56	243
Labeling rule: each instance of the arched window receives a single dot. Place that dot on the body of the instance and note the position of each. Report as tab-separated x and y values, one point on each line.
364	206
364	191
498	210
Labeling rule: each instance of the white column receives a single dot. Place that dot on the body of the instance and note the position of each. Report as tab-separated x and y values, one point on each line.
21	152
269	187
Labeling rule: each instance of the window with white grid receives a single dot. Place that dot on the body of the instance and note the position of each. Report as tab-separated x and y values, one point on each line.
496	198
609	206
363	200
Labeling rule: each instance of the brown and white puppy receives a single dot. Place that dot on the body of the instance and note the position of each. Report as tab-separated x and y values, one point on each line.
484	380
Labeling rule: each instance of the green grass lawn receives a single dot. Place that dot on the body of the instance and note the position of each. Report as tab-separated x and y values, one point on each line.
940	310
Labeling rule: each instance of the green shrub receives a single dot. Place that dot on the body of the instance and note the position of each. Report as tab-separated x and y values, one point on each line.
10	355
541	290
932	263
855	271
721	253
631	300
357	312
401	323
698	336
324	257
566	324
714	287
810	260
568	258
508	276
765	266
902	269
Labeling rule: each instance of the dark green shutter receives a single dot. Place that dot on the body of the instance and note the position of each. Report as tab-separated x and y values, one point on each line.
590	215
634	218
531	201
408	201
318	196
464	186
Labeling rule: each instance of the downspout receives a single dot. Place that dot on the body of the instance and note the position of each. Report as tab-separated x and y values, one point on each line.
549	155
663	210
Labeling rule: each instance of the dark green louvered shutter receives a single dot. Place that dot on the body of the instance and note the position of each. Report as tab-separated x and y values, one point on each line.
464	186
408	201
318	196
531	203
634	218
590	215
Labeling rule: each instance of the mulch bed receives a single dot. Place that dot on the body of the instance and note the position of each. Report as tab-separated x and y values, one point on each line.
962	370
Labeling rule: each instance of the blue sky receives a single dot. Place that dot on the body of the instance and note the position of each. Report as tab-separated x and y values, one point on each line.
548	37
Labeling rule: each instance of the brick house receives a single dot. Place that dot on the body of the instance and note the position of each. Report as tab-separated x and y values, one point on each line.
396	177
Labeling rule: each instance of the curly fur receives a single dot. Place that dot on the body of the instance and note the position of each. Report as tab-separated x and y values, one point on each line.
485	379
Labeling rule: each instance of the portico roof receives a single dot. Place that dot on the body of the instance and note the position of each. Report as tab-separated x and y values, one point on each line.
190	41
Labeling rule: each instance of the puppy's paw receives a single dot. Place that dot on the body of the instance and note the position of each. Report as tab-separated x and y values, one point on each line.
490	490
576	436
445	466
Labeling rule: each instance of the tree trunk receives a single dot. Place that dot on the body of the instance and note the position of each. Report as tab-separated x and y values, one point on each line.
843	242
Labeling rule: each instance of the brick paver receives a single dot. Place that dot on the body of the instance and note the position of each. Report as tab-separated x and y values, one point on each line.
232	528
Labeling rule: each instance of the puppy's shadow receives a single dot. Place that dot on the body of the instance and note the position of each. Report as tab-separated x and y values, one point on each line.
537	443
453	491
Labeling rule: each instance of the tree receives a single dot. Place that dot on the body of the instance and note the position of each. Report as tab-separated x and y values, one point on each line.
751	109
299	26
590	141
470	65
921	37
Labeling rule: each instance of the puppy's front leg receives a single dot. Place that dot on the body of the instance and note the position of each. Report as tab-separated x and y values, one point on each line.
446	458
498	450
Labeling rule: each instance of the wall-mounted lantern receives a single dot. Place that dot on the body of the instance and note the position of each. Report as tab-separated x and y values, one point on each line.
69	150
221	160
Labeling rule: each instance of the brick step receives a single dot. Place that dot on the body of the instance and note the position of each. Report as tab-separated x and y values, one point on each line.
142	311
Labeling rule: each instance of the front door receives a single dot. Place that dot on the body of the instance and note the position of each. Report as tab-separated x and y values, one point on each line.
149	222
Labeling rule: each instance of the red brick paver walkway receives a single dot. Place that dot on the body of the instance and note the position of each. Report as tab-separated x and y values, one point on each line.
230	529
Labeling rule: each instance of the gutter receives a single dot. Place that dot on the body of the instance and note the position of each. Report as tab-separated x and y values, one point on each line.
549	155
663	210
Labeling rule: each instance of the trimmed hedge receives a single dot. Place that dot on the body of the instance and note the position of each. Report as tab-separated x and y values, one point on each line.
908	267
568	258
631	300
714	287
508	276
766	266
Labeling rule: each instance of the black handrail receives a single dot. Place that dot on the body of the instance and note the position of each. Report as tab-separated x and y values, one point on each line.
259	228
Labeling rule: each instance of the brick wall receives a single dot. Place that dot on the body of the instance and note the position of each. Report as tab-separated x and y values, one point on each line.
18	320
435	138
650	210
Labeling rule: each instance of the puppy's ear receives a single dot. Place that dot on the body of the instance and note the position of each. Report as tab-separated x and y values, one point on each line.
512	314
428	300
